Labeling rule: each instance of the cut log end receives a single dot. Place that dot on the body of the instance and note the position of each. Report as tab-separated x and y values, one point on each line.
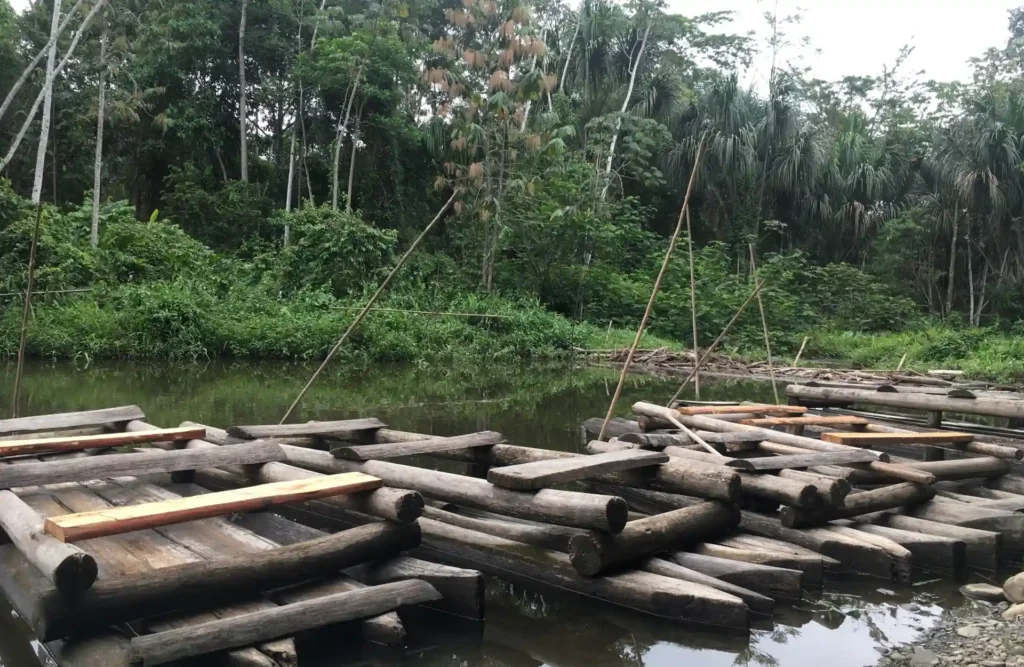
618	514
76	574
585	554
408	507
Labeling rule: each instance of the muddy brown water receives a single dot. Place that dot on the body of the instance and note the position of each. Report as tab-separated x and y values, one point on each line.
535	405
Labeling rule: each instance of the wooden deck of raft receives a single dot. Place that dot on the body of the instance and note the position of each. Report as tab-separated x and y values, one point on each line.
650	520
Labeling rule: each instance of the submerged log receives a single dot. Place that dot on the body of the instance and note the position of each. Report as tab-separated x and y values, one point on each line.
1008	524
975	406
810	566
172	645
569	508
861	502
780	489
902	558
776	582
181	587
1009	483
594	553
67	567
981	547
757	603
530	566
930	551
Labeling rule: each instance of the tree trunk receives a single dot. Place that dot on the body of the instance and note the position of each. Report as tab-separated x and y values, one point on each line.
35	61
625	106
970	277
952	267
572	43
242	112
44	132
340	135
101	106
352	163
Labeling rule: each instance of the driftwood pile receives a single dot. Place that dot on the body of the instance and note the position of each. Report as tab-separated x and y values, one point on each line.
102	539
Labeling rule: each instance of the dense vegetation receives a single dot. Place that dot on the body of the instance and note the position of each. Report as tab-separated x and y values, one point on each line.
261	163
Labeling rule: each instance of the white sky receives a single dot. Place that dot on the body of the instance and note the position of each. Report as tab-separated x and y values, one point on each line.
860	36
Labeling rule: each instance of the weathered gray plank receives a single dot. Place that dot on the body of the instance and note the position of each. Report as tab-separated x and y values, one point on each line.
785	461
71	420
431	446
332	429
540	474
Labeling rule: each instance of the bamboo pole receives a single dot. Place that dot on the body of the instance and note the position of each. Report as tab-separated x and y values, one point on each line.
800	352
903	359
369	304
26	313
693	302
654	291
725	332
764	326
428	312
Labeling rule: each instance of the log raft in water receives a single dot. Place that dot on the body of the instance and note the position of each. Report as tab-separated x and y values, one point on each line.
594	553
569	508
68	568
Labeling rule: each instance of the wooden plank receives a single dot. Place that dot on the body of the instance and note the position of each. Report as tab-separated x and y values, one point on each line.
756	408
74	527
421	447
155	461
540	474
768	463
71	420
42	445
331	429
876	439
841	420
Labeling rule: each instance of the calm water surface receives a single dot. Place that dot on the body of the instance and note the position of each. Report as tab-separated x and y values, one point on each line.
540	406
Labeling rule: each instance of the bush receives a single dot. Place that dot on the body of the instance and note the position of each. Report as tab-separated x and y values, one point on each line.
221	215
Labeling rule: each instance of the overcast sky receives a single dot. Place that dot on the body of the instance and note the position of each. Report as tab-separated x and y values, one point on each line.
860	36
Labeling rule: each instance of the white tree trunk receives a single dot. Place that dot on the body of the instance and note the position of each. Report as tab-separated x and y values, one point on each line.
97	171
44	132
352	163
572	43
340	135
242	112
970	278
35	61
625	106
952	266
56	72
533	67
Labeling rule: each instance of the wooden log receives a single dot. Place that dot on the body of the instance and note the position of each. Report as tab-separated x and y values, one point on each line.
422	447
772	463
338	430
117	520
546	536
929	551
569	508
69	569
165	647
811	567
861	502
976	406
113	465
773	488
206	583
750	541
101	441
541	474
831	490
972	447
397	505
854	555
617	427
902	558
858	439
69	420
982	548
776	582
644	500
838	420
1009	483
594	553
1008	524
757	603
533	566
982	466
760	408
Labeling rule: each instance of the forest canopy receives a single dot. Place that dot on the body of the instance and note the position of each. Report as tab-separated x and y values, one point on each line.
231	176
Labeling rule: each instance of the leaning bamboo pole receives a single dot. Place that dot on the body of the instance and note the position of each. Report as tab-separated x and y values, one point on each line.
654	291
26	313
369	305
764	326
693	302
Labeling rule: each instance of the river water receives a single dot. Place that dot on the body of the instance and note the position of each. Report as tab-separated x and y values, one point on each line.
534	405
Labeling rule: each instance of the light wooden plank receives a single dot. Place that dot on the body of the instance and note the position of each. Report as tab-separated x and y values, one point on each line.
322	429
541	474
65	420
431	446
113	465
117	520
768	463
756	408
43	445
806	421
875	439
